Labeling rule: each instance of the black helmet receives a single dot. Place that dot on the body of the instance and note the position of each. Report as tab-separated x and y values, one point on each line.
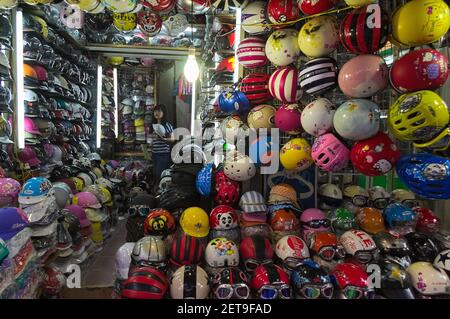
71	222
395	281
60	172
5	100
145	201
231	283
390	245
98	22
5	31
423	247
311	281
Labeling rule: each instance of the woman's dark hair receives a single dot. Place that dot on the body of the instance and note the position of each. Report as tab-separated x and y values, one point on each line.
162	108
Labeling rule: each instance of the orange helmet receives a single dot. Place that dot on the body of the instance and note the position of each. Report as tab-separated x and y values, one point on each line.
159	222
370	220
29	72
284	220
324	244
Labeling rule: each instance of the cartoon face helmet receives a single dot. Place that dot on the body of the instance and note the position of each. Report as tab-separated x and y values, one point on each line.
221	252
292	251
270	282
310	281
159	222
359	245
341	220
352	281
223	217
230	283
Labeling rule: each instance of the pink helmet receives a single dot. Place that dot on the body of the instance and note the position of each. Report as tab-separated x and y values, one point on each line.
31	127
86	200
329	153
287	118
9	191
313	220
28	156
80	213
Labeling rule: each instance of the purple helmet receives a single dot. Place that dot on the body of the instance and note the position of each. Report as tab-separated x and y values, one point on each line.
80	213
86	200
9	191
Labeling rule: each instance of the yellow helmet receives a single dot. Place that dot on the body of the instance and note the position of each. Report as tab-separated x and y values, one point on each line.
319	36
431	21
107	195
79	183
97	171
124	21
418	116
44	26
195	222
116	60
261	116
296	155
139	121
97	235
358	3
355	190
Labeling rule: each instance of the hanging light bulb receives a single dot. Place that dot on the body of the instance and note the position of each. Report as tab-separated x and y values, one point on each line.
191	69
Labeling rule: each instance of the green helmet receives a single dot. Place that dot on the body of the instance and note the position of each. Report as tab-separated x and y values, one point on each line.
342	220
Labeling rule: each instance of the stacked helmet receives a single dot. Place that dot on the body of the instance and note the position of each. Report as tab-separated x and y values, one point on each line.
427	221
395	282
9	191
189	282
270	282
86	200
283	85
318	76
287	118
251	52
427	279
261	116
311	281
186	250
204	180
255	86
323	244
360	245
34	190
231	283
123	259
405	197
159	222
195	222
397	214
145	283
221	252
370	220
223	217
227	189
423	247
255	250
390	245
282	48
149	23
149	251
292	250
319	36
352	281
236	101
329	153
341	220
317	117
296	155
330	195
442	260
254	20
313	220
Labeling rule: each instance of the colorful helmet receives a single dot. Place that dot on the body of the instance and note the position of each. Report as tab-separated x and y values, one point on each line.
313	220
370	220
363	76
282	47
281	11
360	245
329	153
427	221
404	197
255	86
254	19
292	250
255	250
427	279
251	52
186	250
396	214
318	76
239	167
261	116
309	7
232	127
311	281
9	191
425	174
365	30
221	252
145	283
442	260
284	221
296	155
319	36
159	222
195	222
149	23
352	280
189	282
86	200
341	220
34	190
231	102
390	245
231	283
124	21
431	21
418	116
123	259
283	85
287	118
204	180
323	244
375	156
423	247
227	190
223	217
357	119
271	282
149	251
317	117
330	194
159	5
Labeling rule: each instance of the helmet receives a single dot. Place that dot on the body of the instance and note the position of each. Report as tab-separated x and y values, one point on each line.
251	52
309	7
227	190
330	194
282	47
186	250
404	197
255	250
292	250
149	251
359	244
159	5
311	281
193	7
223	217
149	23
221	252
432	20
230	283
254	20
124	21
396	214
236	101
317	117
418	116
283	85
423	247
255	87
395	281
79	183
363	76
341	220
86	200
318	76
270	282
287	118
231	127
312	220
370	220
9	191
145	283
392	246
427	279
357	119
261	116
319	36
123	260
239	167
296	155
281	11
204	180
34	190
427	221
175	24
159	222
284	221
365	30
323	244
352	280
71	17
329	153
379	197
189	282
425	174
442	260
375	156
195	222
86	178
120	6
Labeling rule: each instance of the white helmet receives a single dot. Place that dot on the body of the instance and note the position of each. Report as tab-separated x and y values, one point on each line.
254	20
189	282
442	260
30	95
175	24
290	248
317	117
123	260
359	244
103	182
282	47
428	279
379	197
233	126
149	251
221	252
399	195
127	101
330	195
86	178
94	157
239	167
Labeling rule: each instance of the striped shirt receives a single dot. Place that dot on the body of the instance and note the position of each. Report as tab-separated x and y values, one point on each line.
159	145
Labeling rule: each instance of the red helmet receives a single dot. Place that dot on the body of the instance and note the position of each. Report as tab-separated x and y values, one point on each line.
271	281
324	244
309	7
159	222
227	190
149	23
256	88
424	69
349	275
186	250
427	221
145	283
282	11
255	250
223	217
374	156
159	5
284	220
365	30
52	281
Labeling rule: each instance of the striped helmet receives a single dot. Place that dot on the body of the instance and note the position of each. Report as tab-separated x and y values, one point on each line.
365	30
251	52
189	282
283	85
186	250
145	283
318	75
256	88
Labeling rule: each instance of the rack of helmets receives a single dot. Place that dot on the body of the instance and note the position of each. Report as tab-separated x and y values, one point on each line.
326	85
108	112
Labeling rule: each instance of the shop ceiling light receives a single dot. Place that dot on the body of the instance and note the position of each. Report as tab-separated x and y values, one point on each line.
99	106
116	103
191	69
18	49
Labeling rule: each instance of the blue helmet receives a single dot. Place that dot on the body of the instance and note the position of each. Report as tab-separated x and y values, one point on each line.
204	178
425	174
397	214
236	101
311	281
34	190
